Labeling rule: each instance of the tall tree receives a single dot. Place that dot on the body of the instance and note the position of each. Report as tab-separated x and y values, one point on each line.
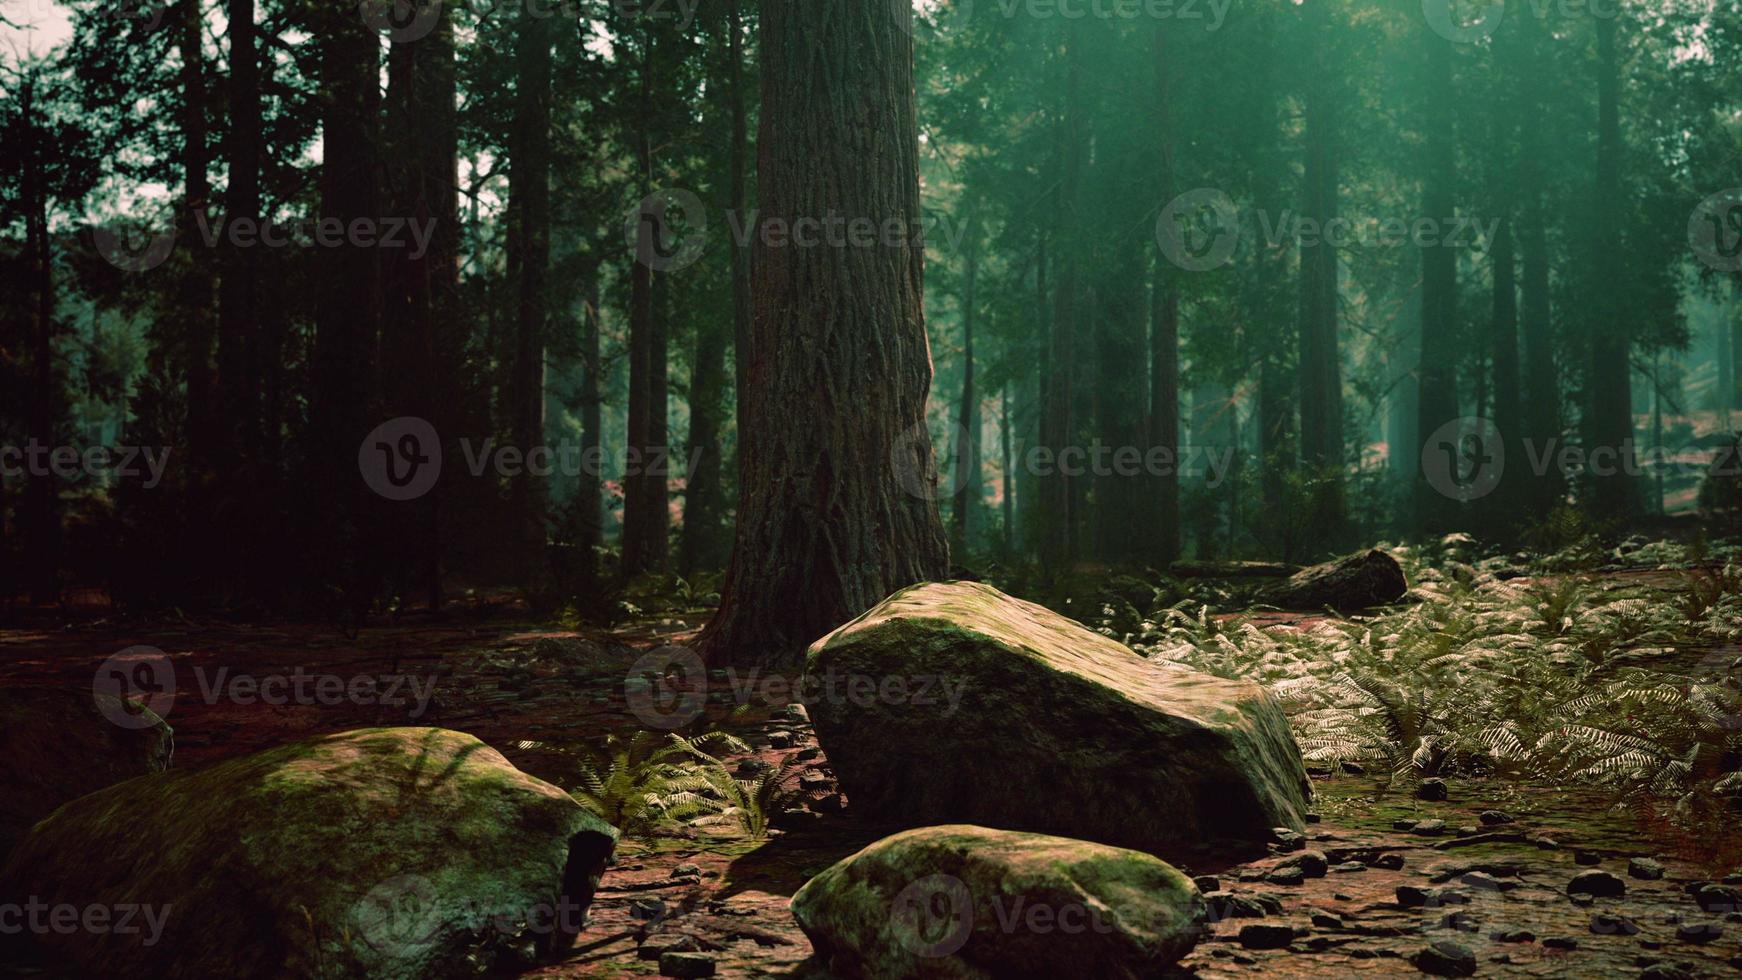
967	477
1321	370
1163	538
1608	404
1438	401
529	263
837	480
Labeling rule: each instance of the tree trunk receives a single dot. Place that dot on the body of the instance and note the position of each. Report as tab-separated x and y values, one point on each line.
1163	538
1608	428
1058	498
738	156
589	495
967	477
42	510
837	504
1508	408
195	309
1541	402
529	261
236	449
1438	403
644	491
1321	374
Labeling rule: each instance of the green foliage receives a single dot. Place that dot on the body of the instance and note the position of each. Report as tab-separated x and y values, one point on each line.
649	783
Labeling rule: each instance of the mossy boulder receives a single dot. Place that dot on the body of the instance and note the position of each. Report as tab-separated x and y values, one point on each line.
951	702
59	744
964	902
1351	583
385	852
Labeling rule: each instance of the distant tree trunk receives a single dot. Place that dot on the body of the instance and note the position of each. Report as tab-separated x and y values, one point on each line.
1058	499
42	509
1726	340
1608	415
529	261
837	503
237	435
1162	541
967	478
1321	372
1007	499
1541	391
348	312
644	501
1508	415
1439	277
589	496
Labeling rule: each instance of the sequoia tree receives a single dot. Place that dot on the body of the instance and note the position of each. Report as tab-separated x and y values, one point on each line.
837	480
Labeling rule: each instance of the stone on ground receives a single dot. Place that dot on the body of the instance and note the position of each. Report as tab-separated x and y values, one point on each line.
381	853
970	902
975	707
1358	581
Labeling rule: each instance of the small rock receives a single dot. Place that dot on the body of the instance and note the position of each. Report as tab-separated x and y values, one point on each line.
1389	862
1354	769
1644	869
1512	936
779	740
1312	818
1445	959
1340	897
1586	858
1403	824
813	780
1604	924
1546	844
1207	883
1494	818
686	869
1348	867
1325	920
1227	905
686	965
1698	932
1469	830
1560	942
1266	936
1600	884
1712	897
1287	840
1311	864
1483	881
657	945
1431	789
646	908
1285	876
1429	828
1668	971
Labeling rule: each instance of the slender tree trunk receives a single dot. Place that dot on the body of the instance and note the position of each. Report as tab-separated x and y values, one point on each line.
1438	403
1058	498
1608	409
529	258
837	503
738	156
1541	382
1321	373
644	503
236	448
1508	403
589	496
195	309
42	517
1007	499
967	478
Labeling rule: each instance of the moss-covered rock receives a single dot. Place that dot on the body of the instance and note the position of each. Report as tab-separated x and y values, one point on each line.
1354	582
57	745
967	902
954	703
387	852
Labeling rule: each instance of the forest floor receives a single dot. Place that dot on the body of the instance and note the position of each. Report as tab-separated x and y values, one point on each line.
545	696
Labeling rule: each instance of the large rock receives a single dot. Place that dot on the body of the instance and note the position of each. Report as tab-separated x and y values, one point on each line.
954	703
1370	578
57	745
387	852
967	902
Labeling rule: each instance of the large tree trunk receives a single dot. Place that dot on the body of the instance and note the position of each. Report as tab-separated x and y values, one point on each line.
236	451
1608	415
1438	403
589	495
529	260
837	504
738	156
1508	408
1058	497
644	503
1541	403
195	310
348	315
42	511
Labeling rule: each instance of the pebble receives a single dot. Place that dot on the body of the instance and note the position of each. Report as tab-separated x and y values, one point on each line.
1429	828
1586	857
1288	840
1285	876
686	965
1389	862
1349	867
1604	924
1494	818
1207	883
1311	864
1560	942
1431	789
1512	936
657	945
1644	869
1266	936
1698	932
1325	920
1445	959
1602	884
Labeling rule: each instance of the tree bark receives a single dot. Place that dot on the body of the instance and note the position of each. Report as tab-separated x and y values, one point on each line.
42	510
967	478
1058	499
1321	374
1608	417
1438	402
837	504
529	260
